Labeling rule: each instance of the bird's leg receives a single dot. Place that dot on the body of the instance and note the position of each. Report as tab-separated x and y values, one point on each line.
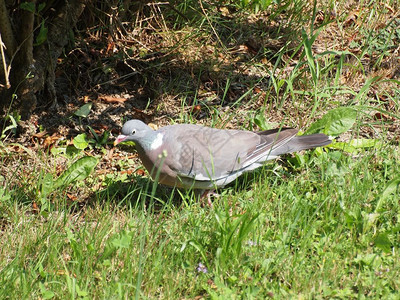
201	195
209	194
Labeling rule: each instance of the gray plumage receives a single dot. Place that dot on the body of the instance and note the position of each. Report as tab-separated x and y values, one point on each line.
194	156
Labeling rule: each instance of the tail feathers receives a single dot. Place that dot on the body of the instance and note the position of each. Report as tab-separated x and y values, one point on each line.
298	143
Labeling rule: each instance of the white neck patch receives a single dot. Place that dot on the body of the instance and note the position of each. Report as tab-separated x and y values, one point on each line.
157	142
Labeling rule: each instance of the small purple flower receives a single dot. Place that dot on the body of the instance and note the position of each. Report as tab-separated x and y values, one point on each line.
252	243
201	268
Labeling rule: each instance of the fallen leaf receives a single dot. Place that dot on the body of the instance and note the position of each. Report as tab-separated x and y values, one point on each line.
129	172
141	172
257	90
352	18
51	140
253	45
382	116
104	171
224	11
145	117
40	134
71	197
112	99
110	47
389	8
100	126
196	108
59	169
243	48
152	126
211	283
115	131
110	154
383	98
35	207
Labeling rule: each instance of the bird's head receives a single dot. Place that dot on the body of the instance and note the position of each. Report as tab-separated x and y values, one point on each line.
135	131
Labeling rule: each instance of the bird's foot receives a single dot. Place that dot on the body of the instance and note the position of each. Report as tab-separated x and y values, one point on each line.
209	194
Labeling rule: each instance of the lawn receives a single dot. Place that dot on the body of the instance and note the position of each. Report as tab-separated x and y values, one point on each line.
81	219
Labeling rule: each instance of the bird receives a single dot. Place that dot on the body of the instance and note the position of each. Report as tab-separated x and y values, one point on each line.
203	158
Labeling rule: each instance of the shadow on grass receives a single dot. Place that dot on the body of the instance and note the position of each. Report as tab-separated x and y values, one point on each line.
141	192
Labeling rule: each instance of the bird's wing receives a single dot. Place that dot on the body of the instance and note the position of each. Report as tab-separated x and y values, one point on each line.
209	154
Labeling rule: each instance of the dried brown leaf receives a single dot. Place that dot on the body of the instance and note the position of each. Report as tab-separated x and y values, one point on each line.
112	99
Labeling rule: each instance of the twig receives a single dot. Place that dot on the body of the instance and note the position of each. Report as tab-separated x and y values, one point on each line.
6	73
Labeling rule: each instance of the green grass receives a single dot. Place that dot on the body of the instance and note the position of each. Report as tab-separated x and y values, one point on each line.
314	231
319	224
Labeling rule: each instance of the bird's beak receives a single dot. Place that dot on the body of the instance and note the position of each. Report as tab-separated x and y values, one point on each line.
120	139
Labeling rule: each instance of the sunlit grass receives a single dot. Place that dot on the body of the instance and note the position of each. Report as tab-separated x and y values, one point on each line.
320	224
314	230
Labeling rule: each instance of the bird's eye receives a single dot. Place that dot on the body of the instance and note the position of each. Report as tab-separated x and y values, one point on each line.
133	132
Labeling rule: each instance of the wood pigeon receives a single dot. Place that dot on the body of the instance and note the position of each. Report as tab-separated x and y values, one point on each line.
198	157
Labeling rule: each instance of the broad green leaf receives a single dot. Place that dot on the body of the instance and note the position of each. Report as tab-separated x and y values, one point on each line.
72	150
109	250
80	141
117	241
42	36
366	259
260	121
265	3
29	6
79	170
382	242
353	145
58	150
41	6
297	160
334	122
46	294
84	110
4	194
365	143
123	240
47	185
81	293
391	188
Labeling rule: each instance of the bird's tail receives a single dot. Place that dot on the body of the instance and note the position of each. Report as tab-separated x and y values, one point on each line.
298	143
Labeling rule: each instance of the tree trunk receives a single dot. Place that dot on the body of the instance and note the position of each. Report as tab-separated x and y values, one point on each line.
32	67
